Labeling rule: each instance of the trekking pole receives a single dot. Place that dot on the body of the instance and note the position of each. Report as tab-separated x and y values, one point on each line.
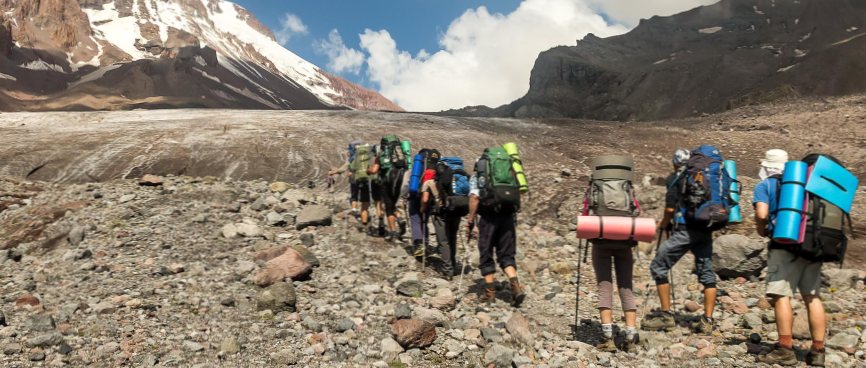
577	292
463	265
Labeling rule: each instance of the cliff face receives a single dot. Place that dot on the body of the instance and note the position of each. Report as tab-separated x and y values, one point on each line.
733	53
5	36
116	54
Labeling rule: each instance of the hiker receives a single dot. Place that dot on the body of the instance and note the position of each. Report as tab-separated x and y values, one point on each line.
611	193
445	196
425	160
787	272
389	164
697	202
494	200
356	166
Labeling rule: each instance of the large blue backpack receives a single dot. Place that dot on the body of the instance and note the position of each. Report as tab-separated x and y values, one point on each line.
705	188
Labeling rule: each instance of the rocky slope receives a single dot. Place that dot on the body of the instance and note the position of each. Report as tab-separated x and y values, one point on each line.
123	54
706	60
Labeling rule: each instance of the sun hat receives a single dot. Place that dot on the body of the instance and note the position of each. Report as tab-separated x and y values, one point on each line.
681	157
775	159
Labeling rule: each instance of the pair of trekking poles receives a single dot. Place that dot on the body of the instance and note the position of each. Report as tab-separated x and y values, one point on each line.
584	246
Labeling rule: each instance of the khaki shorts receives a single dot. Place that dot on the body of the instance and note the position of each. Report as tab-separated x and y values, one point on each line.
787	273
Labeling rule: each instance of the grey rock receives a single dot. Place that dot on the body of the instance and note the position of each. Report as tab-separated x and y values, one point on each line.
249	230
192	346
499	355
76	235
491	334
735	255
230	346
65	349
275	219
432	316
314	216
518	327
520	361
40	322
2	319
126	198
12	348
390	348
403	311
229	231
278	297
45	340
344	325
409	287
104	308
107	349
843	341
309	257
308	239
752	321
259	204
311	324
77	254
840	279
37	355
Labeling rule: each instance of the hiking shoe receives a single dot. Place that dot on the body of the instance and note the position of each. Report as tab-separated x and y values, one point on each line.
401	224
815	358
779	355
704	325
607	345
630	346
419	251
517	294
391	237
661	321
489	296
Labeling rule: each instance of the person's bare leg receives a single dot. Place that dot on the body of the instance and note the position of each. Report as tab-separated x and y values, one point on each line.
817	317
606	315
784	320
392	222
365	212
510	271
630	318
709	301
664	291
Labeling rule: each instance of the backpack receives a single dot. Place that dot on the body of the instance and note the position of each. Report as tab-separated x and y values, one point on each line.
352	150
425	159
360	162
391	155
453	182
705	189
610	191
497	181
825	239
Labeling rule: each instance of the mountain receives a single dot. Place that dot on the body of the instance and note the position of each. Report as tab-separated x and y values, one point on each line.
708	59
122	54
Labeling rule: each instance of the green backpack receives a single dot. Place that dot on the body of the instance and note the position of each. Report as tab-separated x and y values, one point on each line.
360	163
391	155
497	181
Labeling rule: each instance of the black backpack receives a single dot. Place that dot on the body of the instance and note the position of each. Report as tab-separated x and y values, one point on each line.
825	239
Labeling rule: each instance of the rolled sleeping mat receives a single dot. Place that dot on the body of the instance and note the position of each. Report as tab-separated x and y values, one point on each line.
731	168
417	173
511	149
805	219
833	183
616	228
613	167
790	203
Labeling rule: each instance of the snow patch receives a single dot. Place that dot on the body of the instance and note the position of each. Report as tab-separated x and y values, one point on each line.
661	61
787	68
208	76
755	7
800	53
852	29
849	39
710	30
122	32
7	76
42	65
200	60
94	75
806	36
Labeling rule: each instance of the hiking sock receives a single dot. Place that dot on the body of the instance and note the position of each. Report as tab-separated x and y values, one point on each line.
787	341
513	279
817	345
630	333
607	330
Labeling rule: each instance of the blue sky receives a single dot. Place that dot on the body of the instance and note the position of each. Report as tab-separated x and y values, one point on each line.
431	55
414	24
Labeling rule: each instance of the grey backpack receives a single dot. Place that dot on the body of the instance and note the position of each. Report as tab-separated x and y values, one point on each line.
611	192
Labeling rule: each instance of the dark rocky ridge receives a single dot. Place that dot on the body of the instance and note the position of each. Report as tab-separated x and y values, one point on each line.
709	59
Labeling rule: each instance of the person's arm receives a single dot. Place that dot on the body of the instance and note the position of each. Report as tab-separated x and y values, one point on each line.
340	170
374	168
667	218
762	218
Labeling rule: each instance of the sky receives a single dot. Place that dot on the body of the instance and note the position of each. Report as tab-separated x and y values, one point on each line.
431	55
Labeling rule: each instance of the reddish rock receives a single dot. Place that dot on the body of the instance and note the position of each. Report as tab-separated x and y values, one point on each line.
518	327
764	304
692	306
739	308
290	264
270	253
150	181
413	333
706	352
741	280
28	299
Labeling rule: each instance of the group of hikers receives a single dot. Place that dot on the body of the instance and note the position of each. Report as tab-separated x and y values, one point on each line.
702	196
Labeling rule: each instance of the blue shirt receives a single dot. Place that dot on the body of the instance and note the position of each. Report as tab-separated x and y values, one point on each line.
765	192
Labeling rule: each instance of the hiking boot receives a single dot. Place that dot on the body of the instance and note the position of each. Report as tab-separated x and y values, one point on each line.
815	358
391	237
704	325
489	296
517	294
631	345
607	345
661	321
779	355
401	224
418	246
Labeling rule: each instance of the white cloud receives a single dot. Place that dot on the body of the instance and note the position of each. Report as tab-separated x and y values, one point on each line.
485	59
629	12
340	58
290	25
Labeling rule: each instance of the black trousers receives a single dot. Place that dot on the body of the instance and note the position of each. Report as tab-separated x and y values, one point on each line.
496	233
447	226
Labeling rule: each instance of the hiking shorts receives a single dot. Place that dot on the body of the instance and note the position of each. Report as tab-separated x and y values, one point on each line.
375	191
683	240
390	200
496	233
360	191
787	273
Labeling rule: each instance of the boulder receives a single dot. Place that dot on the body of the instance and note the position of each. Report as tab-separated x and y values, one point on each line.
499	356
390	348
249	230
278	187
444	299
277	297
735	255
840	278
518	327
844	341
289	265
308	255
433	316
314	216
413	333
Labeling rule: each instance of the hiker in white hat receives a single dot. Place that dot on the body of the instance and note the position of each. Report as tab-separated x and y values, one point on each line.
773	163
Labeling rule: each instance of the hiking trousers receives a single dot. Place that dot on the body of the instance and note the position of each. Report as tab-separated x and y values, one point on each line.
622	259
447	225
683	240
416	219
496	233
